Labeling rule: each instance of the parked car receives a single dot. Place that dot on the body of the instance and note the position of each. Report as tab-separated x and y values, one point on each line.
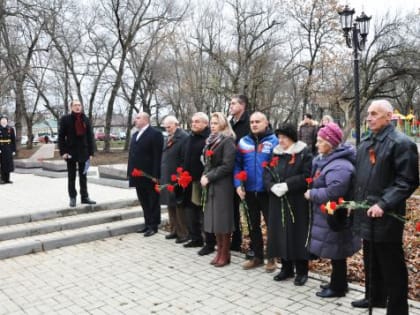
100	136
122	135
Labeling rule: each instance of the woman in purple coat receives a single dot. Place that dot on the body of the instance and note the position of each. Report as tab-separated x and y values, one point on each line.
332	175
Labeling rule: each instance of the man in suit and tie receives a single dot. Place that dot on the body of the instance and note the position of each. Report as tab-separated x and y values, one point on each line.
145	155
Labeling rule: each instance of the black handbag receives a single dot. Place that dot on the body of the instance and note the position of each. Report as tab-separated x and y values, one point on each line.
339	221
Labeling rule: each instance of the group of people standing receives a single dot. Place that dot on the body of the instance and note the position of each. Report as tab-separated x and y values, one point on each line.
287	183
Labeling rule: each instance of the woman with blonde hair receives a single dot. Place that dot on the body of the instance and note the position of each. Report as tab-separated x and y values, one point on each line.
217	181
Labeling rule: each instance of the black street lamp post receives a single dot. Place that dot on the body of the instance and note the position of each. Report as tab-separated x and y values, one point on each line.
357	41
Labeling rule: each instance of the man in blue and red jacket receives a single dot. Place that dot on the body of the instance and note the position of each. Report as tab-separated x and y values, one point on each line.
254	149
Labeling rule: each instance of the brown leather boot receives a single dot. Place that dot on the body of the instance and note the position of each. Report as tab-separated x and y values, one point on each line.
219	249
225	253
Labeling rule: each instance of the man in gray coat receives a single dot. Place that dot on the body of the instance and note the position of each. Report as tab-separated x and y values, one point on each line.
387	174
172	158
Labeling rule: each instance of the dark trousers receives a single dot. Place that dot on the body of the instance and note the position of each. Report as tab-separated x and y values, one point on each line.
5	176
71	182
389	275
301	266
236	234
149	200
257	203
194	217
338	281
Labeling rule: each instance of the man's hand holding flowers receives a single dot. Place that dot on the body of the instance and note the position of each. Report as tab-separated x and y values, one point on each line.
241	192
375	211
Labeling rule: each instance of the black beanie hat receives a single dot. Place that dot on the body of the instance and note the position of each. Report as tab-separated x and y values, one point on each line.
287	130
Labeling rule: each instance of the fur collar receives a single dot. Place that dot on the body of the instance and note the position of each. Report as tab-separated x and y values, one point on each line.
295	148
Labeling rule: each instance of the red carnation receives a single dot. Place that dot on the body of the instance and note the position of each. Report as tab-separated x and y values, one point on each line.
418	226
340	200
157	188
174	178
274	161
136	172
184	179
333	205
209	153
179	170
264	164
170	188
309	180
323	208
241	176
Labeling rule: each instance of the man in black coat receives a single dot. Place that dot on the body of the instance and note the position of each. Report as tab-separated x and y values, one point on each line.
7	150
192	162
386	175
240	125
76	145
172	158
145	155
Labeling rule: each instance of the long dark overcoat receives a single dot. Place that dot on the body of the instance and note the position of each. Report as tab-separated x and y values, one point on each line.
7	147
79	147
218	210
172	158
286	239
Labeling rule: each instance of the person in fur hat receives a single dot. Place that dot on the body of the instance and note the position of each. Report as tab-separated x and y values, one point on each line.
288	216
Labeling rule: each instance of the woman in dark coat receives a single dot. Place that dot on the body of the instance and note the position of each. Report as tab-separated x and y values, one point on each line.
217	179
288	218
332	172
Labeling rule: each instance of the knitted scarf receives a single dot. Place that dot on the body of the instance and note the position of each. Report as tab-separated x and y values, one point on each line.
79	124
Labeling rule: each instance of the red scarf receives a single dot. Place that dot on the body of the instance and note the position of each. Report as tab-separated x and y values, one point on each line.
79	124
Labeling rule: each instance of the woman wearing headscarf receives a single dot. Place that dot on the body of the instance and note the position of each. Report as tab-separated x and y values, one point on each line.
217	181
288	221
332	173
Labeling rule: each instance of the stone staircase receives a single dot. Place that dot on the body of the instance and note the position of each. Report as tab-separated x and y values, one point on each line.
42	231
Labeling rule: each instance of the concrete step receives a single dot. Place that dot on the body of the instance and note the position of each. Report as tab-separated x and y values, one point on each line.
67	223
58	213
38	243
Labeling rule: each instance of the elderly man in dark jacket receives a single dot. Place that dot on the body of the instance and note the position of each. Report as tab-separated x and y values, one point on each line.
76	145
387	174
7	150
194	209
172	158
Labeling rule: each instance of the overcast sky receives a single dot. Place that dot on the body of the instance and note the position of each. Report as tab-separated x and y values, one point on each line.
380	7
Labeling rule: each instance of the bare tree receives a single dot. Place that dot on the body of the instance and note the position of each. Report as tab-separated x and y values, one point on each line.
127	18
317	28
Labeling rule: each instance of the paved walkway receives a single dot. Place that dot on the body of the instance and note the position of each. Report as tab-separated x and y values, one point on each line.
137	275
30	193
132	274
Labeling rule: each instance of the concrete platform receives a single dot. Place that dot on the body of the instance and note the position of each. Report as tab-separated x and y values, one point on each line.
27	163
114	171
